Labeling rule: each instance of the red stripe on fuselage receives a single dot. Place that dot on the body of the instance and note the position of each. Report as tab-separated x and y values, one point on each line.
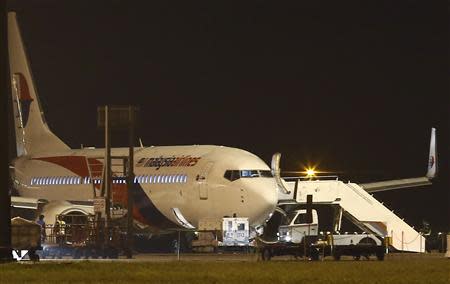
76	164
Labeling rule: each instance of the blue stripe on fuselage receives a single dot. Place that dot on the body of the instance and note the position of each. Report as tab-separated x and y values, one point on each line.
148	210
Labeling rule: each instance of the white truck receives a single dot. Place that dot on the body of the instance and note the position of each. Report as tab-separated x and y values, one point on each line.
298	237
221	234
236	232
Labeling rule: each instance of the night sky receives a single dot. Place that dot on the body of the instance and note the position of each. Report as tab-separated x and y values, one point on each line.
351	88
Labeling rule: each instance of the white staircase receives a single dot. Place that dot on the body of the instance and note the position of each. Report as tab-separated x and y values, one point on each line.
362	208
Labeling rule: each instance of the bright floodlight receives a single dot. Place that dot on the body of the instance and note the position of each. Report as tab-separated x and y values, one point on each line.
310	172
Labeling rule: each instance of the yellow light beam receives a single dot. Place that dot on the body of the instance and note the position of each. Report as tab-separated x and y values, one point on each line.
310	172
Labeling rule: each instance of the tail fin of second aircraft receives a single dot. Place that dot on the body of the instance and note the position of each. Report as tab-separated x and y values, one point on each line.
432	159
32	132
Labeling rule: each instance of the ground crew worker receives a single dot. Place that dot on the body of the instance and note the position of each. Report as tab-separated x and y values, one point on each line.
60	230
41	223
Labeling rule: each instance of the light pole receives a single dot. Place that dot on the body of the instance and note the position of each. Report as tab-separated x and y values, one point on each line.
5	197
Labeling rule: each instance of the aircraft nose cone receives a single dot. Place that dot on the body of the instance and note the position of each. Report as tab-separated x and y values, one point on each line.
262	200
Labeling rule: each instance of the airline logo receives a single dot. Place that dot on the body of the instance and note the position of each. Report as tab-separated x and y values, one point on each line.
25	100
431	162
173	161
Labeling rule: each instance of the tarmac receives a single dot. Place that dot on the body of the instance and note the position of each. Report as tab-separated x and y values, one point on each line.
234	257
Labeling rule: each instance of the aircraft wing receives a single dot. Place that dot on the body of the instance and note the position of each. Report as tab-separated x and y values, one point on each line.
409	182
395	184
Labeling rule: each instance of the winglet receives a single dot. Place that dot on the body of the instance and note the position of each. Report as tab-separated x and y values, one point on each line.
432	159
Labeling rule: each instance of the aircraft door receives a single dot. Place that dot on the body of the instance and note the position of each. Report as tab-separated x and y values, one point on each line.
202	181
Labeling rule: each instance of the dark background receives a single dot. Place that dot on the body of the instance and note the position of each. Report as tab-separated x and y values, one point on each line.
348	87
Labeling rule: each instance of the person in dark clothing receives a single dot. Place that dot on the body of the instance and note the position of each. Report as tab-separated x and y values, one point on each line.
41	223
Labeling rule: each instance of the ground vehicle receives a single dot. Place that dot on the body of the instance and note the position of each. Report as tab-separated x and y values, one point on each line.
299	237
225	234
81	236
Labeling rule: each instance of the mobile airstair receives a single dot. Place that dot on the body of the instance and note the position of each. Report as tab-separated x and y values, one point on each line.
358	205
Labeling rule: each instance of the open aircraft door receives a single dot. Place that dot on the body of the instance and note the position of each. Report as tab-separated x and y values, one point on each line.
202	181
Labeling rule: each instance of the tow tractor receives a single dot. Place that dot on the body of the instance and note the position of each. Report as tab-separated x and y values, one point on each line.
299	236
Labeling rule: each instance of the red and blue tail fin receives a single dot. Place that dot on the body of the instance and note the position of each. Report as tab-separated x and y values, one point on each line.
32	132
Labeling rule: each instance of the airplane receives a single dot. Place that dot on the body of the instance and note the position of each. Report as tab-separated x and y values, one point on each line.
174	186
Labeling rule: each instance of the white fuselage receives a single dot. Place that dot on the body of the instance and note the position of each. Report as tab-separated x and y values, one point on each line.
174	185
188	179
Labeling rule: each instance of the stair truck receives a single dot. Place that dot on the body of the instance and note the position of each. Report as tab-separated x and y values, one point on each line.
299	236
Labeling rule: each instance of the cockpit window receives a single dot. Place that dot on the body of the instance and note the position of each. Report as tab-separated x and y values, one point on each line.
265	174
233	175
249	173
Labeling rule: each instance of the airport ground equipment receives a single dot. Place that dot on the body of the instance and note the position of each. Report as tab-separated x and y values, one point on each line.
81	236
301	238
25	238
356	204
208	235
225	233
236	232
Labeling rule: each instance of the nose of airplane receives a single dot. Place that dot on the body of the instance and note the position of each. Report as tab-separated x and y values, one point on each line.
262	200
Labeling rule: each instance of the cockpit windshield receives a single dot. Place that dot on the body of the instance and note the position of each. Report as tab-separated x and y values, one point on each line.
233	175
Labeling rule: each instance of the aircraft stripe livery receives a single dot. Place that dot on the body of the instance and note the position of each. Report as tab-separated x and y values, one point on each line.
174	186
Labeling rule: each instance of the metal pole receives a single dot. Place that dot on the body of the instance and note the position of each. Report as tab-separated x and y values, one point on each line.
402	240
5	198
420	239
178	246
131	113
304	246
107	180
